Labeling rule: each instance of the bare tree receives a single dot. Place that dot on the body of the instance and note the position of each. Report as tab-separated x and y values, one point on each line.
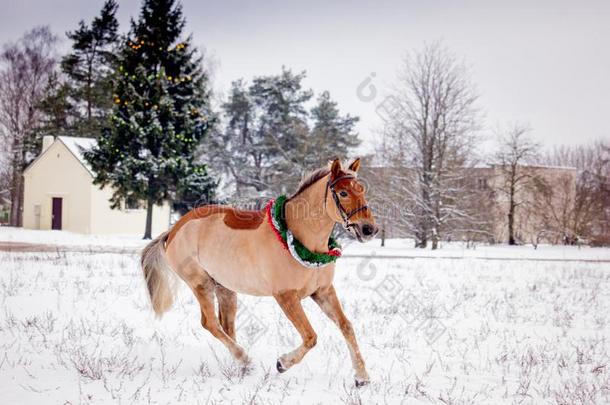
516	149
25	67
430	125
553	209
590	212
4	183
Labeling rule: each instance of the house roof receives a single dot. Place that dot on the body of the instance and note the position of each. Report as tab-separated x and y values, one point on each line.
76	146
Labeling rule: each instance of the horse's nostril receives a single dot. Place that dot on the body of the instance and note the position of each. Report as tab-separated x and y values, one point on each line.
367	230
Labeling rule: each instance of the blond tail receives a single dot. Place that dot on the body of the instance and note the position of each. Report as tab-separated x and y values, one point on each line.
160	278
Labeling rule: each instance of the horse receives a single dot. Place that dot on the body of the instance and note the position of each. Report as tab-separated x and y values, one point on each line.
284	250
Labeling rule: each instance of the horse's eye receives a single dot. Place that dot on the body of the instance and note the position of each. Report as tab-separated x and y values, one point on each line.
343	193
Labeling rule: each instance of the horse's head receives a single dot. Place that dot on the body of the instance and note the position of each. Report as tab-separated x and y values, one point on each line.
345	199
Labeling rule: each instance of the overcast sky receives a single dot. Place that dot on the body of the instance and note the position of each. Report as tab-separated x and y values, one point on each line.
542	62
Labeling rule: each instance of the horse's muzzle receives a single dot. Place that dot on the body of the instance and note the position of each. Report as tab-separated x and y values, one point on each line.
365	231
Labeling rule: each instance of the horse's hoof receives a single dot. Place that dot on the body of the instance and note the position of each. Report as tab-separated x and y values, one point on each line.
361	383
280	367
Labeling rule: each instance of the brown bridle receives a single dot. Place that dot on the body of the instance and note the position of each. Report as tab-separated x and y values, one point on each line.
345	215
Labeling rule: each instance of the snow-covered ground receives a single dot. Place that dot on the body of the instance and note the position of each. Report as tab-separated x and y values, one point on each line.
76	328
405	248
393	247
65	238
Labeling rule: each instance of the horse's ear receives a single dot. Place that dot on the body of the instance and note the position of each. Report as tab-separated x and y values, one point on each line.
335	168
355	165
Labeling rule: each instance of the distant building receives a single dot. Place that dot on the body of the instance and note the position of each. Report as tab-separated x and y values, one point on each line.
540	217
60	194
545	202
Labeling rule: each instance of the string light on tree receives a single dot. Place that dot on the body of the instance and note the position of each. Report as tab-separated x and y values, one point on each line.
149	152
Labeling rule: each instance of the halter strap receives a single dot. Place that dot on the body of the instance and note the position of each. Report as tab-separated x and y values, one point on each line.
345	215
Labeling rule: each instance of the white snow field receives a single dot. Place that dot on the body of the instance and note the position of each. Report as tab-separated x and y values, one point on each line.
76	328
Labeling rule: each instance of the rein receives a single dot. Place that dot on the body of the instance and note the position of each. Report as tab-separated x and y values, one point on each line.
345	215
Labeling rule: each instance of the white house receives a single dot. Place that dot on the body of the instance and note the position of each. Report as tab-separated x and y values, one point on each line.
60	194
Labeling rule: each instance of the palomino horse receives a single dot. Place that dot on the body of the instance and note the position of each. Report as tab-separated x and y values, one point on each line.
285	251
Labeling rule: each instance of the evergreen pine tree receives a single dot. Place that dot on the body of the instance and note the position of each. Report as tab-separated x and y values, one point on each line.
161	114
332	134
281	100
57	113
234	150
88	70
270	138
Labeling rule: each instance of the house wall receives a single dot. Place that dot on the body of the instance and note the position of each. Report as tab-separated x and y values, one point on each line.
105	220
57	173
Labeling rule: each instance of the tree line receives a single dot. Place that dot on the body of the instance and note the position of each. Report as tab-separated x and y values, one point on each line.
428	147
146	96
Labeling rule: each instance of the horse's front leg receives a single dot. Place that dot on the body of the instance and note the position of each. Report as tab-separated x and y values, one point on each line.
326	298
290	303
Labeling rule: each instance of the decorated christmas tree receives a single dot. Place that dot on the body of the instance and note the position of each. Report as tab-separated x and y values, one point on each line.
160	115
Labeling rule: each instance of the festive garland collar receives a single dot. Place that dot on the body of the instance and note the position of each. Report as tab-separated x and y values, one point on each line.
300	253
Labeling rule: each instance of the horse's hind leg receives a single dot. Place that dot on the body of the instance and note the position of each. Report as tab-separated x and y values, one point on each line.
184	260
227	308
204	291
290	303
